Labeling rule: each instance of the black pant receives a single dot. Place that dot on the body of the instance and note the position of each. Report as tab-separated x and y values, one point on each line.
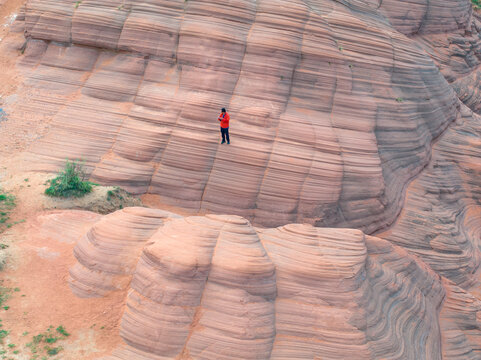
225	134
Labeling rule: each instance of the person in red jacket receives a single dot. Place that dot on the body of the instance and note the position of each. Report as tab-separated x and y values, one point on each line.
224	125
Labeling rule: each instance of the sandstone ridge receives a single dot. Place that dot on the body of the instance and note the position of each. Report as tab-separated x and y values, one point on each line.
334	109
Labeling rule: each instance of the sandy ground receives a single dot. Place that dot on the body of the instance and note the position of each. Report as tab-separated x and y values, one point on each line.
37	263
37	271
38	258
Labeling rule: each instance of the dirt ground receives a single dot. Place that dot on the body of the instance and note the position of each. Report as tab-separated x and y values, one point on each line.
38	257
35	279
35	274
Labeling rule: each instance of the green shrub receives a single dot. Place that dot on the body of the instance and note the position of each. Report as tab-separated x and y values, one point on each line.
476	4
4	294
70	182
7	201
3	335
53	351
62	331
51	340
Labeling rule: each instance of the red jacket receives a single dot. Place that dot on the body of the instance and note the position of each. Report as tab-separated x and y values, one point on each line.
224	120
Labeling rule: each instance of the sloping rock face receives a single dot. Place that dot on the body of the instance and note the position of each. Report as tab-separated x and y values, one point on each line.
333	108
107	264
441	219
425	17
215	287
450	34
441	223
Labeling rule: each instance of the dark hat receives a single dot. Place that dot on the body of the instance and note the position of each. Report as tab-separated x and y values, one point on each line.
223	110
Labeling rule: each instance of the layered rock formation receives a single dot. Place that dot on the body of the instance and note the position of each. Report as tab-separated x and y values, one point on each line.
335	106
441	223
108	252
333	109
425	17
215	287
449	32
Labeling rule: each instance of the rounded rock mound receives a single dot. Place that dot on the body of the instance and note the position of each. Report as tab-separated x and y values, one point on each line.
214	287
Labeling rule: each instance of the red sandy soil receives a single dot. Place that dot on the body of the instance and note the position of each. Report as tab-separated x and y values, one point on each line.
38	266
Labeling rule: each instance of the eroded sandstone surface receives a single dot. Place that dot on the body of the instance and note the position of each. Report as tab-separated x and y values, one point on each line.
334	109
215	287
355	114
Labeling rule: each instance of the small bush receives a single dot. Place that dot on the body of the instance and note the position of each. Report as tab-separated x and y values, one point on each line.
3	335
7	201
42	343
4	294
53	351
62	331
38	338
70	182
476	4
51	340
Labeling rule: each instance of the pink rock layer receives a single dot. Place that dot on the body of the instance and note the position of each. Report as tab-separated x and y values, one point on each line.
441	219
333	108
108	252
215	287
